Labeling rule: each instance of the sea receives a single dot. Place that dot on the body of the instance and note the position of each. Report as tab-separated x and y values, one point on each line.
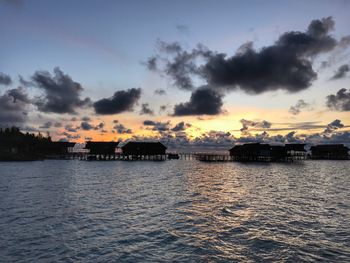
174	211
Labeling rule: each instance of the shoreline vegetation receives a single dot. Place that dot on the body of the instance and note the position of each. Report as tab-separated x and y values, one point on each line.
18	146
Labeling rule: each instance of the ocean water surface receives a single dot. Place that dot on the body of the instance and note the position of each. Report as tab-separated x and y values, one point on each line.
174	211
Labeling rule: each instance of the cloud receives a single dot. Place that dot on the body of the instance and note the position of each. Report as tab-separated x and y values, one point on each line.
5	79
24	82
86	126
162	108
61	93
341	72
339	101
183	29
13	107
157	126
100	126
181	126
334	125
151	64
70	128
246	124
149	123
296	109
145	109
46	125
123	100
160	92
181	65
85	118
338	54
203	101
284	65
121	129
69	137
49	124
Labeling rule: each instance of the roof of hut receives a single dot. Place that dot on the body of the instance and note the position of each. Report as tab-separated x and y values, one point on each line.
143	145
90	144
250	147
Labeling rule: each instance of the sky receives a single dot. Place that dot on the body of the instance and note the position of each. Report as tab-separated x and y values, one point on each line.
192	74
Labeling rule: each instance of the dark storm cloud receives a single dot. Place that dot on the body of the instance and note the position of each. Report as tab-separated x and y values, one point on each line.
341	72
285	65
146	110
123	100
333	126
160	92
121	129
340	101
61	93
5	79
300	105
203	101
13	107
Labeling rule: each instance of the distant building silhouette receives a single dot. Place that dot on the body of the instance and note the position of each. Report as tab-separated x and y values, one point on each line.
102	148
144	151
251	152
329	152
144	148
257	152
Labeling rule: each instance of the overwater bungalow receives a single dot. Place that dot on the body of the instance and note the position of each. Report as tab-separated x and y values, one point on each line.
251	152
101	150
144	151
330	152
257	152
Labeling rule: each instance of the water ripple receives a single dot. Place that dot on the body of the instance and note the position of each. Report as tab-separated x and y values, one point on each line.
174	211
